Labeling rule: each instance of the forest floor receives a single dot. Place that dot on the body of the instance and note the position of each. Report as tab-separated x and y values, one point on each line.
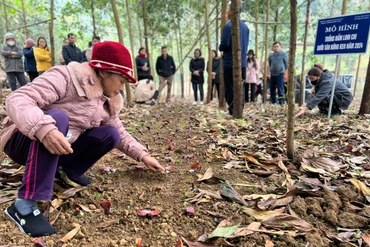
233	173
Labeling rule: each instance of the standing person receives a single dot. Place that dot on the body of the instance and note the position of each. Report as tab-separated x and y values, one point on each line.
42	55
13	61
278	62
165	68
227	61
95	40
61	59
142	65
251	77
197	77
84	58
323	82
215	73
71	53
29	59
66	120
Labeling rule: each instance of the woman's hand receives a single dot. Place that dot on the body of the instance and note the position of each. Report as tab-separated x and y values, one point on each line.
152	164
56	143
302	111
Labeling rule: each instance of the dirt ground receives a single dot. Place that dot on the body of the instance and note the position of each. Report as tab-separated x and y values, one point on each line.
318	199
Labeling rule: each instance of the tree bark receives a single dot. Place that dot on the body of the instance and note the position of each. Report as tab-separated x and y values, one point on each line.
256	27
93	17
131	36
357	72
120	39
217	23
148	52
209	91
266	52
275	27
222	100
303	82
24	19
51	32
292	51
365	102
139	25
344	11
6	17
179	53
237	63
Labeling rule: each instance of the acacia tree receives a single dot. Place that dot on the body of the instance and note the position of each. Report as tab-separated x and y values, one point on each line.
365	102
222	100
266	52
292	51
131	35
209	91
237	63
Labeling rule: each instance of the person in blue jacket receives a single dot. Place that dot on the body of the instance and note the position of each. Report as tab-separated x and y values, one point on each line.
227	61
323	82
29	59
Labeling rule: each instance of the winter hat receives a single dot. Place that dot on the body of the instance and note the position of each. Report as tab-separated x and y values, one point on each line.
30	42
9	36
112	56
315	71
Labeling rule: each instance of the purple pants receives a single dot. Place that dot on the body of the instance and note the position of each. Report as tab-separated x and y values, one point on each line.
41	165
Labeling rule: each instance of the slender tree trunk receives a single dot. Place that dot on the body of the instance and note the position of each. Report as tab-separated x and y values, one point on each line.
131	36
6	17
344	11
357	72
179	51
148	52
200	28
24	19
51	32
93	17
276	25
303	82
222	100
217	23
292	51
120	39
151	58
237	63
139	25
256	27
266	54
209	91
365	103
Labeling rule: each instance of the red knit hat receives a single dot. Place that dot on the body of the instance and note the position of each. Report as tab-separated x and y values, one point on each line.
112	56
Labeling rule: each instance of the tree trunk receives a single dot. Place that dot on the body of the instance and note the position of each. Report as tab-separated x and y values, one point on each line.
256	27
292	51
266	52
146	37
222	100
24	19
237	63
209	91
357	72
276	25
303	81
365	103
344	11
131	36
93	17
139	25
6	17
51	32
217	23
120	39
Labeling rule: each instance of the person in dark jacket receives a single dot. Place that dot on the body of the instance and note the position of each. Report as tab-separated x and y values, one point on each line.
323	82
83	53
215	73
142	65
197	75
165	68
71	52
278	63
227	59
29	59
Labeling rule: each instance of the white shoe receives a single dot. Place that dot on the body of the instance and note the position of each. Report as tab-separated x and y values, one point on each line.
195	103
201	103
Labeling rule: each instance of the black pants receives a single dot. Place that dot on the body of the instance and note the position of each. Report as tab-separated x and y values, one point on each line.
217	85
33	75
139	78
259	90
201	91
229	86
249	87
13	77
325	104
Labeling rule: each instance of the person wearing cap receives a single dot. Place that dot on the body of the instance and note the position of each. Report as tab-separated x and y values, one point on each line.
13	61
64	122
251	77
29	59
323	82
227	58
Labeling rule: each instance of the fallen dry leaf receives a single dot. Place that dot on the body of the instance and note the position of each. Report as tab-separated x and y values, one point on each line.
197	243
264	197
269	243
70	192
272	203
206	175
251	159
286	221
105	224
288	179
70	234
366	238
229	192
225	228
263	215
240	232
320	164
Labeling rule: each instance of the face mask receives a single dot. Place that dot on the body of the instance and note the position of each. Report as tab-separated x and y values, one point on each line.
11	43
314	82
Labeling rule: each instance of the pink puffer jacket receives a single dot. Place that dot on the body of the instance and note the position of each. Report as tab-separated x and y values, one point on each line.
74	89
